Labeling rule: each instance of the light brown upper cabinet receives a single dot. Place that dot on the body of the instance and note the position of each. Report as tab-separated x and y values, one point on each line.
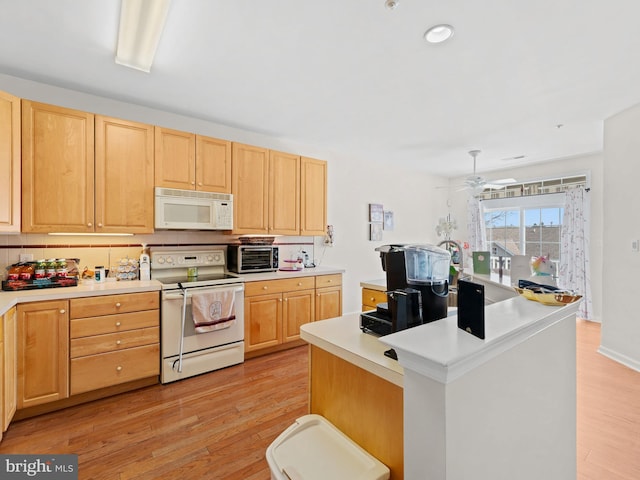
250	188
124	176
9	163
284	193
272	188
313	196
192	162
83	180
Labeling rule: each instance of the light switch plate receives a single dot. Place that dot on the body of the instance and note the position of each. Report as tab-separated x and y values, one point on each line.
635	246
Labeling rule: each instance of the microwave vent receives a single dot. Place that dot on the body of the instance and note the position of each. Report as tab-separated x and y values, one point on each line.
172	192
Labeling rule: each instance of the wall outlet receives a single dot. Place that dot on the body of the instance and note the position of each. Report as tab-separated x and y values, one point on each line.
328	237
635	246
26	257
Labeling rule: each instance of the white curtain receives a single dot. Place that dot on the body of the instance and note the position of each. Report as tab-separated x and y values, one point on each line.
476	228
574	248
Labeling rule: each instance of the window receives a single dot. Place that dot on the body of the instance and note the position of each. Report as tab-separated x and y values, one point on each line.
529	225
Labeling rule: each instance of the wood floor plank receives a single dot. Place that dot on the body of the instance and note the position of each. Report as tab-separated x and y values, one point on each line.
219	425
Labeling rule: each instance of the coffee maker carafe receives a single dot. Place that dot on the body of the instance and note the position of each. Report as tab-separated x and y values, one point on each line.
427	270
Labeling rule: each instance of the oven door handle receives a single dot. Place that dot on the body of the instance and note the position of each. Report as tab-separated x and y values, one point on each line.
184	321
180	296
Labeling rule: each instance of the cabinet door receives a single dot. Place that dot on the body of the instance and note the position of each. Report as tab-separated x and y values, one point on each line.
43	352
175	165
299	308
250	188
313	196
262	321
57	169
10	368
9	163
284	193
213	165
124	176
328	302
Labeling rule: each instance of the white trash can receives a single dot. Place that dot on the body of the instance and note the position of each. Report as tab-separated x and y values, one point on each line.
313	449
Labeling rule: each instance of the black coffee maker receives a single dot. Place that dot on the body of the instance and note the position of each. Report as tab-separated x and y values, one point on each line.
417	288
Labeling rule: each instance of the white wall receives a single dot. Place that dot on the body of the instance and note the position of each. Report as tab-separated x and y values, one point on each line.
620	338
592	165
352	185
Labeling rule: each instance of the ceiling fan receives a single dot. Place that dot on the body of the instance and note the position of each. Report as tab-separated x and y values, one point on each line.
477	184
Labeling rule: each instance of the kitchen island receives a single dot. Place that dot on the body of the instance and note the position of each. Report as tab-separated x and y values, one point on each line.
499	408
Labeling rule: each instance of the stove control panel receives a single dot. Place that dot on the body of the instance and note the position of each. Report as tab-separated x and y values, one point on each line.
175	259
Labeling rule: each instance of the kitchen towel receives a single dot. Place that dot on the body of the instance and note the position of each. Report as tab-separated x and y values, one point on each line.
213	310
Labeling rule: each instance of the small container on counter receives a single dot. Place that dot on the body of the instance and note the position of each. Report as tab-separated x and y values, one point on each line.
99	273
41	268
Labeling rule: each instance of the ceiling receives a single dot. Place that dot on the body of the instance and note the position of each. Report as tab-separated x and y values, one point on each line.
356	78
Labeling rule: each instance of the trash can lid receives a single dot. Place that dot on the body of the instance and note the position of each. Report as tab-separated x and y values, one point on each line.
314	449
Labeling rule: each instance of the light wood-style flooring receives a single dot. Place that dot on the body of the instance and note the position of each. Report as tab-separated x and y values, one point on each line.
218	425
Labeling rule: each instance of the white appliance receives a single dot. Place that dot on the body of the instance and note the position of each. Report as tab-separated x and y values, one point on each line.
184	272
192	210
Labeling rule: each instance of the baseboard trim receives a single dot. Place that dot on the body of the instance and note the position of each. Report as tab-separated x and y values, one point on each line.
620	358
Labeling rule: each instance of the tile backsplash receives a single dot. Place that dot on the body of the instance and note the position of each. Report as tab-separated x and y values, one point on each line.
107	250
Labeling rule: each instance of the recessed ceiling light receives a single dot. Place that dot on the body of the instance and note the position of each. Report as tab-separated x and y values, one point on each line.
391	4
439	33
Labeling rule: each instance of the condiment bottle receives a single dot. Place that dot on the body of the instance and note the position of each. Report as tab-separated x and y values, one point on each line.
41	267
50	269
61	268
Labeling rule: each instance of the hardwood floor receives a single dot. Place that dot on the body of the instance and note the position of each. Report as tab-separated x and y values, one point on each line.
218	425
214	426
608	412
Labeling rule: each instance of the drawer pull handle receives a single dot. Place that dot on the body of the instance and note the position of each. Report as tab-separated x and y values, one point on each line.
118	305
118	342
265	287
118	324
89	224
119	368
299	284
62	310
372	299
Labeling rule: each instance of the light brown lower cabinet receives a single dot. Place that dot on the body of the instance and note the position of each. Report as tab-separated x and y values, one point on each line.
53	351
371	298
9	367
43	352
274	310
119	345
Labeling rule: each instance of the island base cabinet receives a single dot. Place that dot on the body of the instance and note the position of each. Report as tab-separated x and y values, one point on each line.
366	408
43	352
107	369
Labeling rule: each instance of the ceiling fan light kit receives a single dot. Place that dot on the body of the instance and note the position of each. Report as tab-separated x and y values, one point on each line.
477	184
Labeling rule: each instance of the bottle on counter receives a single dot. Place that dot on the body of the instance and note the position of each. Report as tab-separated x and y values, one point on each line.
26	272
41	269
61	267
99	273
145	264
50	268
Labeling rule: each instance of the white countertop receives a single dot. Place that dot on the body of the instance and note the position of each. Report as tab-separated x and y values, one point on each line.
504	282
443	352
279	274
438	350
343	338
84	289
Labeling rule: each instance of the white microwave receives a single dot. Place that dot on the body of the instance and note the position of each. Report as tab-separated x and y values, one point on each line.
192	210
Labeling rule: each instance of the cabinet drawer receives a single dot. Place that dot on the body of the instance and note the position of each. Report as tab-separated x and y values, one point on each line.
111	342
107	369
278	286
328	280
371	298
110	304
84	327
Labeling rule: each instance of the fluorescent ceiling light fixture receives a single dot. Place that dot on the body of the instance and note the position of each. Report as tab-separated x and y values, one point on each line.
141	24
439	33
